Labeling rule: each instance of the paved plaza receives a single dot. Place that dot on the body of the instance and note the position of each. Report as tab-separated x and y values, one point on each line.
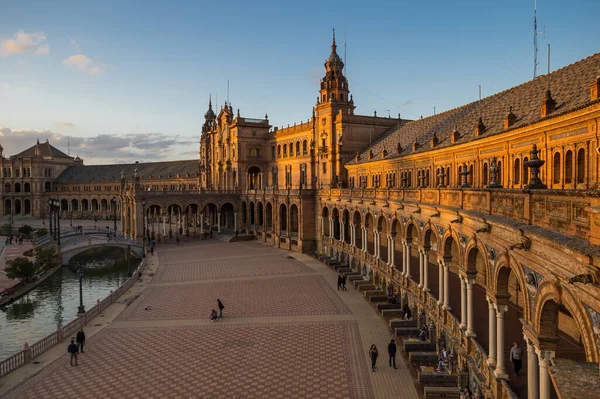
286	333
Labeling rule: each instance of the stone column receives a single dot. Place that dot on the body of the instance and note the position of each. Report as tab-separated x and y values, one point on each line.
500	371
425	270
352	233
235	221
164	218
342	231
492	332
392	250
330	228
463	304
202	224
440	282
218	222
420	267
470	331
407	252
322	226
446	286
365	239
376	246
533	378
545	384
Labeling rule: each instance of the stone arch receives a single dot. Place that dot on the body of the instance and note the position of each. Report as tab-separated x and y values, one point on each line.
260	213
85	205
335	215
325	221
411	233
283	222
27	187
369	224
244	214
499	282
546	322
269	215
227	210
450	246
358	236
294	219
251	213
476	262
346	220
430	232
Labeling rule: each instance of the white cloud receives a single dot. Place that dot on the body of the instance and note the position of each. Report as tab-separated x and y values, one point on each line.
104	148
65	124
23	42
85	64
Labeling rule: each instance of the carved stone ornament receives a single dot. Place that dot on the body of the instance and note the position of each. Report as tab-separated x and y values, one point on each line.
532	280
421	224
440	230
463	240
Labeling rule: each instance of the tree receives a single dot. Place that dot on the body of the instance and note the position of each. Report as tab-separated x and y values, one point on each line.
25	230
41	232
21	268
45	256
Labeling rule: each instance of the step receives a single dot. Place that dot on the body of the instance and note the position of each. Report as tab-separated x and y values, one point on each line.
435	379
367	287
392	313
361	282
408	331
352	273
416	345
356	277
340	266
377	298
423	357
381	306
442	392
344	270
370	293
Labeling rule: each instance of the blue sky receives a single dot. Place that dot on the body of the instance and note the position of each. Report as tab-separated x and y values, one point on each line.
129	80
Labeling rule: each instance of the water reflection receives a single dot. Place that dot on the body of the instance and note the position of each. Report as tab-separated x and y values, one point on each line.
55	301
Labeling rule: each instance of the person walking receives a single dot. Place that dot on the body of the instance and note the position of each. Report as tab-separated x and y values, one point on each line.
72	349
392	352
515	357
373	353
221	307
80	339
339	285
213	316
344	282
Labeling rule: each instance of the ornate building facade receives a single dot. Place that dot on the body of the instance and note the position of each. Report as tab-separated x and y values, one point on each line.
485	219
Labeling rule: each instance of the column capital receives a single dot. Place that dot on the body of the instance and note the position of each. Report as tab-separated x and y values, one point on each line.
501	309
470	283
544	357
491	303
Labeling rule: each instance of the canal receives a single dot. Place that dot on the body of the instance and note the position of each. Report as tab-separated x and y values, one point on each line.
55	301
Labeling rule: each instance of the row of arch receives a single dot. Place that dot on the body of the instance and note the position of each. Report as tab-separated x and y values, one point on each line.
255	216
491	274
282	149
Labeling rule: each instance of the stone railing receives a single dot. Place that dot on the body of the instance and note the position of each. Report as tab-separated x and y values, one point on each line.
572	212
28	353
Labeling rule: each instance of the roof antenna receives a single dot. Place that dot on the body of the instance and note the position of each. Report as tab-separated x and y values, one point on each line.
535	61
345	59
434	110
68	146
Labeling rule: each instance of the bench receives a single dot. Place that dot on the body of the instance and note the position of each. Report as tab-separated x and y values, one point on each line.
378	298
370	293
392	313
416	345
423	357
361	282
399	323
438	379
407	331
355	277
441	392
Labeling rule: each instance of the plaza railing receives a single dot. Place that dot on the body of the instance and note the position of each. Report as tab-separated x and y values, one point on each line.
28	353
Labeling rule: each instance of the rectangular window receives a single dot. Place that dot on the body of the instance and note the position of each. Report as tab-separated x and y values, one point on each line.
324	168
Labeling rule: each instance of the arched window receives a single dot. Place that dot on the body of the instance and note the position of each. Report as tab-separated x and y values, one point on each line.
279	151
297	148
447	177
305	147
581	166
569	167
285	150
27	187
273	152
470	179
517	171
291	149
17	187
484	177
525	171
556	168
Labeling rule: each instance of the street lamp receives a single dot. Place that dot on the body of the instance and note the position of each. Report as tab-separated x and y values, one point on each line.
129	261
57	207
50	216
144	227
81	309
114	205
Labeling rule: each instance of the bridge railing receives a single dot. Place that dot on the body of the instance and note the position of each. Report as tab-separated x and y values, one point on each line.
28	353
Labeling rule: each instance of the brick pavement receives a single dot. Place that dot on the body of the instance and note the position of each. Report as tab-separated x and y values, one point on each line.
285	335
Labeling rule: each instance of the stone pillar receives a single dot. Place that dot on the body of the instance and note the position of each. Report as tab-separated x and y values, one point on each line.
322	226
425	270
235	221
330	228
164	218
446	286
218	222
365	244
342	231
392	250
545	384
420	268
500	371
202	224
463	304
407	254
470	331
533	378
376	246
492	332
440	282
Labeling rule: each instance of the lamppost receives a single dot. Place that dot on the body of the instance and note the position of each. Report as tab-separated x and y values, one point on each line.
57	213
128	261
114	206
81	309
144	227
50	214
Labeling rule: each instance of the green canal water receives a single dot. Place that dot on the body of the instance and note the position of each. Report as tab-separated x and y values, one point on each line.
55	301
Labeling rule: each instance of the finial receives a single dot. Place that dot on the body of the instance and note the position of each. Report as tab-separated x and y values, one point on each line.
209	101
266	116
333	42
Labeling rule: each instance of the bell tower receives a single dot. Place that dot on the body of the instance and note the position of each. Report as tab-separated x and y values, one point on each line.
334	105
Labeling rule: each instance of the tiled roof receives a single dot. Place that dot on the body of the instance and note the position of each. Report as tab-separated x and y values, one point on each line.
150	170
44	149
570	88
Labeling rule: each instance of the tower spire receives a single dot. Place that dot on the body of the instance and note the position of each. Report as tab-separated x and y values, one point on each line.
333	46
